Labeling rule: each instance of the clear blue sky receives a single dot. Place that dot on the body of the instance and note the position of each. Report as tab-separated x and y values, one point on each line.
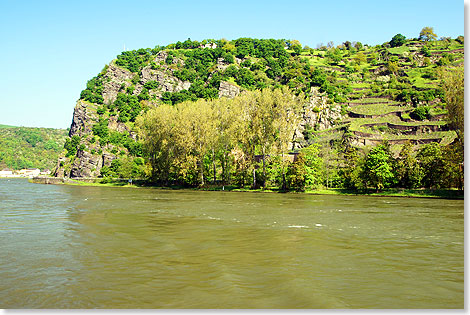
49	49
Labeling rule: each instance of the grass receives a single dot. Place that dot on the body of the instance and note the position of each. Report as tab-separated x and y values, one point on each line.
360	85
443	135
415	75
374	100
356	123
393	192
377	109
7	126
399	50
317	61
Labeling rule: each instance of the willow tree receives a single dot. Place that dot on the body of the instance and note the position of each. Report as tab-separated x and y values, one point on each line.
195	135
286	110
229	128
269	120
453	86
156	129
262	125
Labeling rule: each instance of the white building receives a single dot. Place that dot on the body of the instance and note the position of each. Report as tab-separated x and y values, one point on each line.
29	172
6	172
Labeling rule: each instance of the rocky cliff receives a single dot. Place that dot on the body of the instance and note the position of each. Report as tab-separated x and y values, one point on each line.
367	92
92	155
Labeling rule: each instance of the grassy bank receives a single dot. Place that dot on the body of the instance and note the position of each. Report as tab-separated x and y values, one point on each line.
395	192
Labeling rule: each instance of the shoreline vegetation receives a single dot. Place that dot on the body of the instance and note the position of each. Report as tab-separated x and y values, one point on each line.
124	183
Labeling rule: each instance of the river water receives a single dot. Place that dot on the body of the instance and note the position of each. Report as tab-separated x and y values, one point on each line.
104	247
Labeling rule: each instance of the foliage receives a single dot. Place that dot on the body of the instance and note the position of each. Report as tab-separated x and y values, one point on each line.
431	161
133	60
397	40
150	85
246	141
124	167
427	34
93	91
180	139
409	173
23	147
100	129
378	167
313	166
426	51
128	107
296	174
453	86
420	113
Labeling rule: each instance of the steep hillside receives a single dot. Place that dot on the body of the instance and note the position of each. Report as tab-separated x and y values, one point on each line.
27	147
357	94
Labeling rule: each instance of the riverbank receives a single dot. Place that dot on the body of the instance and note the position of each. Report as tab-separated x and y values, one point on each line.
392	192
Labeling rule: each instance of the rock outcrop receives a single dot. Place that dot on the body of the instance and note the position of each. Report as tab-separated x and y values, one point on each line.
117	80
317	115
86	165
83	116
227	89
92	155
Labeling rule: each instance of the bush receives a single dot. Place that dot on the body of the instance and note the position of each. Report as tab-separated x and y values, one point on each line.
93	91
420	113
133	60
71	145
128	106
150	85
397	40
426	51
100	129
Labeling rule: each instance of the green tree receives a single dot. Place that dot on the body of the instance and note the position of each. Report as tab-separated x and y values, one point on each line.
427	34
453	85
353	171
397	40
392	67
360	58
431	162
379	168
408	170
71	145
296	174
313	166
453	156
157	131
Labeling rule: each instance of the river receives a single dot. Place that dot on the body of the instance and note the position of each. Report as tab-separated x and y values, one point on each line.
104	247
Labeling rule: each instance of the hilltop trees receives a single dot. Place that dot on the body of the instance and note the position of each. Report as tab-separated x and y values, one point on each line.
427	34
397	40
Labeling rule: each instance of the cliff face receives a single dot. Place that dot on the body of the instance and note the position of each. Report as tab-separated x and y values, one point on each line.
99	115
92	155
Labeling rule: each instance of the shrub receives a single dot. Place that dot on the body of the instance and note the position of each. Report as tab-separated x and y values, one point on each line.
426	51
150	85
420	113
397	40
100	129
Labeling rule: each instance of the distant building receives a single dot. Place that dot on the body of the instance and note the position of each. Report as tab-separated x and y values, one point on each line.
6	172
209	45
29	172
45	172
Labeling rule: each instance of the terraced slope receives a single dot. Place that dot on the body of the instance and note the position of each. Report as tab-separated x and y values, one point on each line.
394	93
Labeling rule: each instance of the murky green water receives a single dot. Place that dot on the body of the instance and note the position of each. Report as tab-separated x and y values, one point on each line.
93	247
